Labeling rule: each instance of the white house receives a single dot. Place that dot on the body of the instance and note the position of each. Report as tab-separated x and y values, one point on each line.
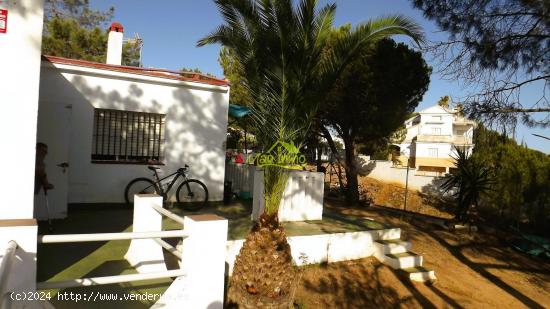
431	138
107	122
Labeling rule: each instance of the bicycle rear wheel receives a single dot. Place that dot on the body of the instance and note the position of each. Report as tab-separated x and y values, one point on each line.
192	195
139	186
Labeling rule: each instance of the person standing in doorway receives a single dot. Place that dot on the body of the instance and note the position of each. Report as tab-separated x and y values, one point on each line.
40	176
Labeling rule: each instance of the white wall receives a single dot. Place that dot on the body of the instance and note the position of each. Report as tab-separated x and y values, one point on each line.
302	198
384	171
19	79
427	123
196	122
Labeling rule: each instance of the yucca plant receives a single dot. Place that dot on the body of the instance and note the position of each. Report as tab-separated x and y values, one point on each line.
288	69
469	180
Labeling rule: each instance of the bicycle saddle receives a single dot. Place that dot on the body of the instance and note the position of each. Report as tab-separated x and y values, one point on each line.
153	168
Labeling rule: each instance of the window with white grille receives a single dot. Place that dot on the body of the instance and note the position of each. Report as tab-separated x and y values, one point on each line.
128	137
432	152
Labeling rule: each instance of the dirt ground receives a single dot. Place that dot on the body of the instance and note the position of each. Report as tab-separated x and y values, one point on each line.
474	270
393	195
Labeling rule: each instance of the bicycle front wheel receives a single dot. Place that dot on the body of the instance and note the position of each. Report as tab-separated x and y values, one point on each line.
192	194
139	186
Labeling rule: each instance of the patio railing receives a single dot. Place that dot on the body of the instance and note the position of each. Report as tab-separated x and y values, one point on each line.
199	279
154	235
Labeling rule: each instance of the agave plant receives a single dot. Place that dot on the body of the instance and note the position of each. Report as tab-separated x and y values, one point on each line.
470	180
288	69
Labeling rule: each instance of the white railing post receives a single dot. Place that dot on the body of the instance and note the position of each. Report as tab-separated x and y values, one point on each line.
203	262
145	254
21	275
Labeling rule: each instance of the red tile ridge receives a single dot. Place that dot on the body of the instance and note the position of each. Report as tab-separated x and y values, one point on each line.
162	73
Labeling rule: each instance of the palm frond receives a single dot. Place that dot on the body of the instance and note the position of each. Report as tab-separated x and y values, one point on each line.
282	51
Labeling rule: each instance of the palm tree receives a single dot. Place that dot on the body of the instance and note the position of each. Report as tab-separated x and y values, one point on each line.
287	70
470	180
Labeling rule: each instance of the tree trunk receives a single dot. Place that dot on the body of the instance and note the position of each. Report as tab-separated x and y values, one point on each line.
332	145
352	192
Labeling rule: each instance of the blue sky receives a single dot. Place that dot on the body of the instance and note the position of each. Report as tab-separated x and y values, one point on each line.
170	30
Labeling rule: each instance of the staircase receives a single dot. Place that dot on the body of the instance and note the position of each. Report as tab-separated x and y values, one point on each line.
394	252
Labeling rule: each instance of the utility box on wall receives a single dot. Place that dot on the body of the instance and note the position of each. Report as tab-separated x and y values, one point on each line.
3	21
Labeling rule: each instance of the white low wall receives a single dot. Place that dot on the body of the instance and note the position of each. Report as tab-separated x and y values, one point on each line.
325	248
302	199
384	171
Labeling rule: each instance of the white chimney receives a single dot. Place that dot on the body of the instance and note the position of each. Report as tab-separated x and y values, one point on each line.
114	44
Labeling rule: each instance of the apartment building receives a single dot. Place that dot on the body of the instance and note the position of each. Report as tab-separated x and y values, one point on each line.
431	137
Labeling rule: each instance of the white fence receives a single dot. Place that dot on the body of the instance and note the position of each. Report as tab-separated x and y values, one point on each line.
241	176
302	199
200	278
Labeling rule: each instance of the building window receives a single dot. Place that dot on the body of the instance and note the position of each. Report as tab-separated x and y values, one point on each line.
436	131
432	152
436	118
128	137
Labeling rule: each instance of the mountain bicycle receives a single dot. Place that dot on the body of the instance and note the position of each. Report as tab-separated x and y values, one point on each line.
191	194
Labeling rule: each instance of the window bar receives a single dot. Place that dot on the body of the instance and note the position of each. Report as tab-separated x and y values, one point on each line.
149	139
120	134
142	116
160	138
126	130
113	136
155	136
142	131
133	134
96	131
137	136
109	134
103	133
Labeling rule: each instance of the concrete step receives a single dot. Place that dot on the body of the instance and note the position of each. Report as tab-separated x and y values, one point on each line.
420	274
402	260
391	233
392	246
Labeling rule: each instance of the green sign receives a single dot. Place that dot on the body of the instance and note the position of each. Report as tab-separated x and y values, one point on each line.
281	154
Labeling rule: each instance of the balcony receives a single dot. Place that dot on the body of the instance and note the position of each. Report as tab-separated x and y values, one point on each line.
462	140
455	139
428	138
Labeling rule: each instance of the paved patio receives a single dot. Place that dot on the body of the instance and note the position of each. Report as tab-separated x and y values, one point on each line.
68	261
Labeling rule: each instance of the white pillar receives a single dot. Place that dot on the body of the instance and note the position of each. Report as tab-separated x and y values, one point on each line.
203	259
146	254
19	79
23	268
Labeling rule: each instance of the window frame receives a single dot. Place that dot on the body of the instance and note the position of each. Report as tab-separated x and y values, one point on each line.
132	137
435	131
432	151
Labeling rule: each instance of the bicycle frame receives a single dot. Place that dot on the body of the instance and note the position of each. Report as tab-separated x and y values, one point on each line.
158	182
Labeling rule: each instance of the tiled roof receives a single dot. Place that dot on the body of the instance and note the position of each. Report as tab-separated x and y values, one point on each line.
161	73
